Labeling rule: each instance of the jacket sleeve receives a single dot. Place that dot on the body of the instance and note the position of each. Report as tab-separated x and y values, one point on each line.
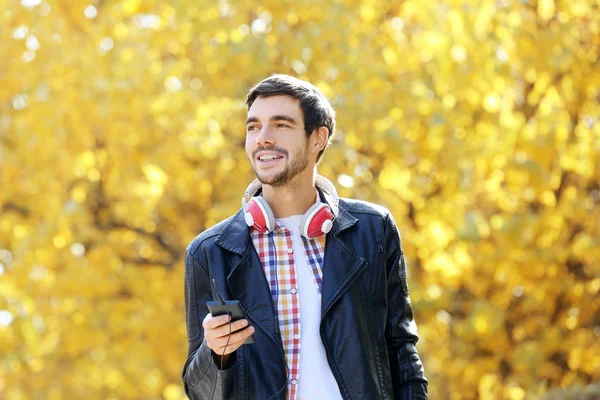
408	377
202	378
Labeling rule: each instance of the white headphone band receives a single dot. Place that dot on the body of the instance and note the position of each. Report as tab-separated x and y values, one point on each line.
250	192
328	188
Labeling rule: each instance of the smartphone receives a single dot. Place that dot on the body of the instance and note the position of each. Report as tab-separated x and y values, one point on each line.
217	308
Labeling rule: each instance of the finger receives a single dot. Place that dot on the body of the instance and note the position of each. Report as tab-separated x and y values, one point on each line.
211	322
235	338
243	339
227	350
234	343
223	330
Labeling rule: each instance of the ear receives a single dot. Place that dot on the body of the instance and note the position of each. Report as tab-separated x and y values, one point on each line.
320	137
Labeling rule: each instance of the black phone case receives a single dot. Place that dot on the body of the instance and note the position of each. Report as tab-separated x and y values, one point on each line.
217	308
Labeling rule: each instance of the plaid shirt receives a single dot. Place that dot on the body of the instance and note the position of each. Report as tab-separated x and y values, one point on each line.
277	256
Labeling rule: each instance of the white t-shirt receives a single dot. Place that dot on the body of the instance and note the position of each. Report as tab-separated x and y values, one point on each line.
315	379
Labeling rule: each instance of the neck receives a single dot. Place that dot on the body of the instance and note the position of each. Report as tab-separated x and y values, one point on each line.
295	198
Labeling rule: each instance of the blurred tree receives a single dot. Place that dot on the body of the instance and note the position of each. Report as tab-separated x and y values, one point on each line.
121	138
590	392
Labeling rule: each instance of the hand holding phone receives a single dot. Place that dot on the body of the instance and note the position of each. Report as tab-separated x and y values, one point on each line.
216	333
226	327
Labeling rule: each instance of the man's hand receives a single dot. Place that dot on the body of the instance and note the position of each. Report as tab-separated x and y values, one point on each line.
216	332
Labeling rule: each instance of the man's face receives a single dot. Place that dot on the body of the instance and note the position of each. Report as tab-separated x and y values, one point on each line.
275	127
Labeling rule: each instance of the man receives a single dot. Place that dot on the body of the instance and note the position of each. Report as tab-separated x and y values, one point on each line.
321	280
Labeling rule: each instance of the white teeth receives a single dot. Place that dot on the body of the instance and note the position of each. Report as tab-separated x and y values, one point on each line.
268	158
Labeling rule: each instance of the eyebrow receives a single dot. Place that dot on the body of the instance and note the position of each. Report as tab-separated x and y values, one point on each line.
273	119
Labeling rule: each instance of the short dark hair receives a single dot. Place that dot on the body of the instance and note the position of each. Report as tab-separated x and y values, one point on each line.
314	105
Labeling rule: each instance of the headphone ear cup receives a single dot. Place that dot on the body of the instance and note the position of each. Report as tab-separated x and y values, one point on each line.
254	216
262	217
316	221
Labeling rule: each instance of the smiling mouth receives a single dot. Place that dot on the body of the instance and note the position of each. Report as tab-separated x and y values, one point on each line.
269	156
269	160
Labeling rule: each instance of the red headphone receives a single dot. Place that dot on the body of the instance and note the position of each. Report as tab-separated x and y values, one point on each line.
317	221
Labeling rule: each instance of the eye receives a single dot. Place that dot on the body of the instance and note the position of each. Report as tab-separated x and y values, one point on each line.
283	126
251	128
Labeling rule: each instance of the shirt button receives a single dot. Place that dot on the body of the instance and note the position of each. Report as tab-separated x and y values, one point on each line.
293	291
290	250
294	381
296	336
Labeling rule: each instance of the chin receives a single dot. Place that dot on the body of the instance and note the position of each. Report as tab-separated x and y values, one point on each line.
276	180
269	179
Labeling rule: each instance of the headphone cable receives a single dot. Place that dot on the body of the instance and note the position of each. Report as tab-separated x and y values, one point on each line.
225	349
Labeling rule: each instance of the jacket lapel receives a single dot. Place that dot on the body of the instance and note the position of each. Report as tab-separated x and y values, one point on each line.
246	279
342	265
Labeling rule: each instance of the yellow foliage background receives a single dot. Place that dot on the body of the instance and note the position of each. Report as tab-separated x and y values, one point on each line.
121	138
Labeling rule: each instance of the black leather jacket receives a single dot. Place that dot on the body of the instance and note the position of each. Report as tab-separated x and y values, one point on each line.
367	325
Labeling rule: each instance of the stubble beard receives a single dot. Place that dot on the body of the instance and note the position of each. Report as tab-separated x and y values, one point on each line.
299	163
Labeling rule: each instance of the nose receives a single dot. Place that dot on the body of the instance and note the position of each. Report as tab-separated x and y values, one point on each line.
265	136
